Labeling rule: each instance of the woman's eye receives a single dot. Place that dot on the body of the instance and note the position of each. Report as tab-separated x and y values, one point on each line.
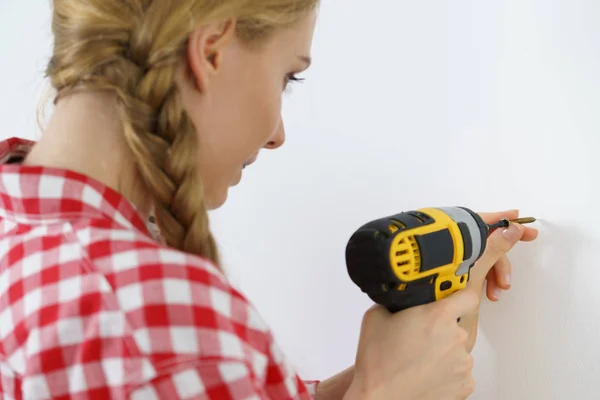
291	79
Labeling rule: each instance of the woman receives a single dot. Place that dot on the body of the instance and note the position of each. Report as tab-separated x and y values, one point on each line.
160	105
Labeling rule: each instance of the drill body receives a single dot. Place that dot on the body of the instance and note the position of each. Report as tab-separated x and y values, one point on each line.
416	257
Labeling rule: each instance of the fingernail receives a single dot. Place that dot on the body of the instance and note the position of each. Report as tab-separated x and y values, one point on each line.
496	293
507	279
512	233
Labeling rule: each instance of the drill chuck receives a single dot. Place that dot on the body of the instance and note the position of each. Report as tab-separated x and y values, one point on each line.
416	257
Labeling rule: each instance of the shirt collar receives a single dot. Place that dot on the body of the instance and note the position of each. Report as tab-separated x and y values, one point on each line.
39	195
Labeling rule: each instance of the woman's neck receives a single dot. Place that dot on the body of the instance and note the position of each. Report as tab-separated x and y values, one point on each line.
84	135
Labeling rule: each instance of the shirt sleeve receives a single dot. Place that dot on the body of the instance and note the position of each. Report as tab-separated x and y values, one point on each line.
207	380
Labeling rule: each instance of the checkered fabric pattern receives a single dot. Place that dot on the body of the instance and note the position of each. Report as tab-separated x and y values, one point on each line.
92	306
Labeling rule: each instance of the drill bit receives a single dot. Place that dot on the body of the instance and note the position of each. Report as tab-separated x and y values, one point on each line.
505	223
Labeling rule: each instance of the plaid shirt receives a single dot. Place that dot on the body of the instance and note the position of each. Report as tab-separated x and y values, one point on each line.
92	306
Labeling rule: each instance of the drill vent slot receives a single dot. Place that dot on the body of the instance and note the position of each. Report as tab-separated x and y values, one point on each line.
418	217
400	224
407	257
395	226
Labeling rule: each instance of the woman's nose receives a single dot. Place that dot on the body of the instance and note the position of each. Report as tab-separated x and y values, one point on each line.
278	138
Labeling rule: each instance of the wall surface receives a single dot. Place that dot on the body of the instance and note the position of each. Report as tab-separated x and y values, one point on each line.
487	104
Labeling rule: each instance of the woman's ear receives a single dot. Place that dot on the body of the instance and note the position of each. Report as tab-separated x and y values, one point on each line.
205	51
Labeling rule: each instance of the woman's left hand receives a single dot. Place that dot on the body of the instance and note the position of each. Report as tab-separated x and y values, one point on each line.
499	277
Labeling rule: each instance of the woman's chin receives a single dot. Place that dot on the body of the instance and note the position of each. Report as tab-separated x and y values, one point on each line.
216	199
213	204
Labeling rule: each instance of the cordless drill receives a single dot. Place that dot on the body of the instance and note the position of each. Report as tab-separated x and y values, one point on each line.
418	257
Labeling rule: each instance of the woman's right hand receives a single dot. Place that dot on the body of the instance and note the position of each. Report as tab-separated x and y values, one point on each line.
417	354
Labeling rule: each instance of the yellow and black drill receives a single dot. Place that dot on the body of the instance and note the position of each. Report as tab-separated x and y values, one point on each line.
418	257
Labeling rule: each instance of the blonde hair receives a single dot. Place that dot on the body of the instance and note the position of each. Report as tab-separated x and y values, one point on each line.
132	48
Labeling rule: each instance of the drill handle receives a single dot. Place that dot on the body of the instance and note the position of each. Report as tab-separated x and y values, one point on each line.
395	300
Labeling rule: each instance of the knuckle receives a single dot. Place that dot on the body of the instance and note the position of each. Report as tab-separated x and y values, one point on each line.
470	363
461	337
370	315
469	387
464	367
371	311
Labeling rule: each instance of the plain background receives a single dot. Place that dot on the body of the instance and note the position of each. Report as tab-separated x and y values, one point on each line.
486	104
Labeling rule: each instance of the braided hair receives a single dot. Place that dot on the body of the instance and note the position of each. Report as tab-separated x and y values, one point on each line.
133	49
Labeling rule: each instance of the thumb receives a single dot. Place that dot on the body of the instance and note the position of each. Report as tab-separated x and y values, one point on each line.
498	244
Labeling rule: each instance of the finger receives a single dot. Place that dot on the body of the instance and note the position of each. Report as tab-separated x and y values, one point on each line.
460	303
502	270
376	311
500	242
372	318
529	235
492	290
492	218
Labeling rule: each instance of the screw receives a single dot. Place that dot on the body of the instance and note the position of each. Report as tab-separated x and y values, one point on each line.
528	220
505	223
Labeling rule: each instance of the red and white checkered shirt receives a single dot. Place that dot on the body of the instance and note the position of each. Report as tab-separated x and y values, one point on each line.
93	307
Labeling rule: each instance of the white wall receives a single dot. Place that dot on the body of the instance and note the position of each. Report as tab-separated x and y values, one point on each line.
486	104
25	46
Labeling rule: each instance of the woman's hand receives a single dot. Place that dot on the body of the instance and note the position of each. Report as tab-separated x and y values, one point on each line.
421	353
417	354
499	277
494	265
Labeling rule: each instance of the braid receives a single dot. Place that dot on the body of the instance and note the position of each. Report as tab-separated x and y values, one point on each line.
133	49
139	65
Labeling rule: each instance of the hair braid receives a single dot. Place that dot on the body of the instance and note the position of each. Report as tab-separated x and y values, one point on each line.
156	127
168	170
133	49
